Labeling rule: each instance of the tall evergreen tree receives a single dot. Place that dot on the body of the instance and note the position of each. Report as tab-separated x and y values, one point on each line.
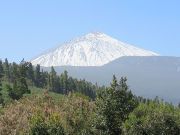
71	84
23	67
65	82
20	86
52	82
1	68
6	69
30	72
1	75
14	92
44	79
14	73
113	107
37	76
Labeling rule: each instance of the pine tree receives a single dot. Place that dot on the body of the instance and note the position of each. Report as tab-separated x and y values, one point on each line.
14	92
14	72
1	75
65	82
37	76
22	80
1	69
71	84
44	79
23	67
52	82
30	72
20	86
6	69
113	107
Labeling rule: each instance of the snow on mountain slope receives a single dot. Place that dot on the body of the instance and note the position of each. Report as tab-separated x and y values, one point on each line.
93	49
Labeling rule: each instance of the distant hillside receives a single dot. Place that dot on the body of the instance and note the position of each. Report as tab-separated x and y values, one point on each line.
147	76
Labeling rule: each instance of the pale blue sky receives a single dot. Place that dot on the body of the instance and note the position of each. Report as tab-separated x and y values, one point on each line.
29	27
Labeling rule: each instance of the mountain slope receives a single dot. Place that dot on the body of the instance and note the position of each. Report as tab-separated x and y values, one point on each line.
147	76
93	49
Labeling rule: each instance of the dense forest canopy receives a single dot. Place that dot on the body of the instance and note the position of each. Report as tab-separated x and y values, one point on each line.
25	74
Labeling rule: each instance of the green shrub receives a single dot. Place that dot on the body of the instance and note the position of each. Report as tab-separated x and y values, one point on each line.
41	125
153	119
55	126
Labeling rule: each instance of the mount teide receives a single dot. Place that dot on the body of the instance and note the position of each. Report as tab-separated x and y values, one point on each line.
93	49
96	57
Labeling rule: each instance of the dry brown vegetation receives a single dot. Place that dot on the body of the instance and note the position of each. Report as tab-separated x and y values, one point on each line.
72	111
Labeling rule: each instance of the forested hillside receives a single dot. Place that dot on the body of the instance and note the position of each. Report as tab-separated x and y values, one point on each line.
40	103
19	76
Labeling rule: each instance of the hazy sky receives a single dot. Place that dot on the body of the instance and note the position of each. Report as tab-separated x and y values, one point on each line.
29	27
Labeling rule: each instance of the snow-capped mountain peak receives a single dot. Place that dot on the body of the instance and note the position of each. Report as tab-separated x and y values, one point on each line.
93	49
